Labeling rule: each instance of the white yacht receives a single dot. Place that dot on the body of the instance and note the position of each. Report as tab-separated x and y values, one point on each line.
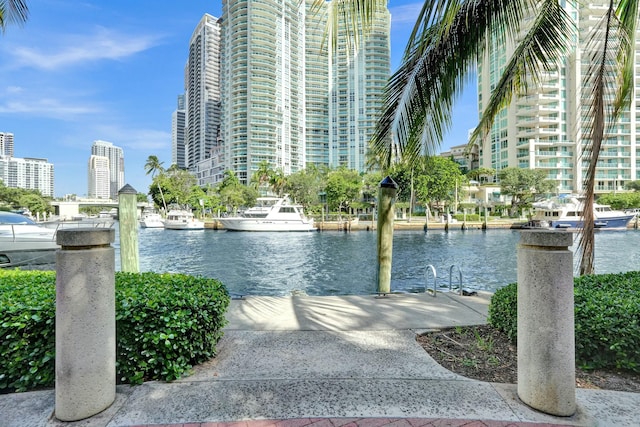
24	243
151	220
270	214
566	212
182	220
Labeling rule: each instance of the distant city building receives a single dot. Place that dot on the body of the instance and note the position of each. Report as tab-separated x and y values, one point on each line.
115	156
99	178
27	173
202	92
178	120
465	157
547	129
6	144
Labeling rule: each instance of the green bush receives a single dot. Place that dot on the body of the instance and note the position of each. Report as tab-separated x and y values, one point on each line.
467	217
607	316
503	310
165	323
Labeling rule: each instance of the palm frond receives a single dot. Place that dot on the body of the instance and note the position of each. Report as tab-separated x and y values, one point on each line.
606	44
13	11
441	53
543	48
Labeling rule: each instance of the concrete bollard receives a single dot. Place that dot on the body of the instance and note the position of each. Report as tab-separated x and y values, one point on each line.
386	201
546	346
85	382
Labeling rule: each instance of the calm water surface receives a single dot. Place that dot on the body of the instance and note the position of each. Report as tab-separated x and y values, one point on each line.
337	263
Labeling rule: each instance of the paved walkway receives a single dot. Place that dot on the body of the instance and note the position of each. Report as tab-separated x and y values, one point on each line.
329	361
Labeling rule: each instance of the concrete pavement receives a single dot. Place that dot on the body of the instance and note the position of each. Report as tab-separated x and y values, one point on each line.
330	361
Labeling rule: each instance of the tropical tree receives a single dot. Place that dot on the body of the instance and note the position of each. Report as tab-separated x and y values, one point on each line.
480	173
278	182
523	185
343	188
438	182
448	40
153	167
180	185
263	175
304	186
231	190
12	11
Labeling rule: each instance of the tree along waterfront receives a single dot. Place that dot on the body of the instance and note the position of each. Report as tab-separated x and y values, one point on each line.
337	263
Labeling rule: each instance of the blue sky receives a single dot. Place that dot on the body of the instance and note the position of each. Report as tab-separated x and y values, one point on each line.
79	71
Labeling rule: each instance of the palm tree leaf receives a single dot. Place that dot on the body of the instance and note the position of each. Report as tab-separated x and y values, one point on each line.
543	48
13	11
607	42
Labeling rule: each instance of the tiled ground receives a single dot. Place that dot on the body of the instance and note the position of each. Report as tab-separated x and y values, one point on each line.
361	422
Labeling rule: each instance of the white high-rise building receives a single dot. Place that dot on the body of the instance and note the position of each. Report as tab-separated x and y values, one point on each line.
545	129
178	120
28	173
99	178
358	75
6	144
202	92
116	164
263	65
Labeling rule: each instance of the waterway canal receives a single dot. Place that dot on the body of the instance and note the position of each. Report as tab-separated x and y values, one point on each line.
338	263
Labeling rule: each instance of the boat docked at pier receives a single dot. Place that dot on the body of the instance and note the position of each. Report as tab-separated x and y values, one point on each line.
567	212
24	243
151	220
179	219
270	214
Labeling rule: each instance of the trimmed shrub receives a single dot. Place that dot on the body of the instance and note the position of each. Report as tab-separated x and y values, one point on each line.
607	321
503	310
165	323
607	317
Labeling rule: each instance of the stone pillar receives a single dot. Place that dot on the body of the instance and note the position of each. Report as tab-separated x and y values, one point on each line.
386	201
85	382
128	222
546	346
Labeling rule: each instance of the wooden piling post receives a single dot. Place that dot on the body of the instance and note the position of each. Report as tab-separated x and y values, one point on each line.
128	220
386	202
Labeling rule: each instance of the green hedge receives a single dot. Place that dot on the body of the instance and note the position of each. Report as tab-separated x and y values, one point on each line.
165	323
607	316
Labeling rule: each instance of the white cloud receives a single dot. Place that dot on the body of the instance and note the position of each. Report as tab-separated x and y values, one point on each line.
73	50
46	107
405	14
134	139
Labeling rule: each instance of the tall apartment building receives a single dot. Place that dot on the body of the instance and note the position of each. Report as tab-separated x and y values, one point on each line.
178	120
357	77
6	144
28	173
202	92
116	164
545	129
263	66
99	178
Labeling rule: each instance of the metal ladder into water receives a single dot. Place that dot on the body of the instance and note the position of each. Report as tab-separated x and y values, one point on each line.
431	269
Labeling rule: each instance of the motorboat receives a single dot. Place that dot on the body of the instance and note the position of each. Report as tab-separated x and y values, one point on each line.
566	212
182	220
24	243
270	214
152	220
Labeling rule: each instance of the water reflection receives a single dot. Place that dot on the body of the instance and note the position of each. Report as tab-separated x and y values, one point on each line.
336	263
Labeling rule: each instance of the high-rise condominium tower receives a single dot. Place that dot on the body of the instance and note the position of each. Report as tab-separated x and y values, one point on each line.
28	173
202	91
357	77
263	82
116	165
545	129
177	134
98	178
